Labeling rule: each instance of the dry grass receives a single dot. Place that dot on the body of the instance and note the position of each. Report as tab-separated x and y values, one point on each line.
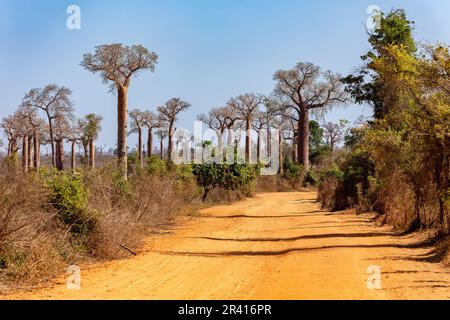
35	245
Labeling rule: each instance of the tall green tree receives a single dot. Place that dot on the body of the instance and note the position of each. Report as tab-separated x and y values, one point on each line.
365	86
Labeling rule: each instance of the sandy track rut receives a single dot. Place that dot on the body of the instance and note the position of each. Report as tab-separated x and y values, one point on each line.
274	246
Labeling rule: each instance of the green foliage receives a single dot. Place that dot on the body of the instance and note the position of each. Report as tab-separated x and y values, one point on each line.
227	176
395	29
365	86
311	178
317	147
156	166
292	170
332	171
3	262
315	135
69	196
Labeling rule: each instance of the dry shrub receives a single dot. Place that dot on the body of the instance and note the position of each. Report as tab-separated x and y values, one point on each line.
129	210
37	243
328	193
220	195
28	232
397	201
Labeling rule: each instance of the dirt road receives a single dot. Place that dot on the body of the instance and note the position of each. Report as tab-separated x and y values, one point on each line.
274	246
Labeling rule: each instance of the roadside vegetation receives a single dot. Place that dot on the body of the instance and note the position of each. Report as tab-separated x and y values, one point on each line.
397	164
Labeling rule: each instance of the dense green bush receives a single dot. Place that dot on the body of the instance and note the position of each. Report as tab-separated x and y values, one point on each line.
156	166
230	177
293	170
311	178
347	182
69	196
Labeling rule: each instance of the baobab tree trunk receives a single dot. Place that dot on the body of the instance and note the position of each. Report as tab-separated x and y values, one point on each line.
37	152
269	140
280	152
92	154
161	148
294	152
52	138
25	154
140	147
122	153
150	143
247	141
258	148
170	144
229	136
86	152
73	160
30	151
303	139
59	154
220	154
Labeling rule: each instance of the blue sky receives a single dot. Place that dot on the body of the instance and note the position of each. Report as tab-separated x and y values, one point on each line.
210	50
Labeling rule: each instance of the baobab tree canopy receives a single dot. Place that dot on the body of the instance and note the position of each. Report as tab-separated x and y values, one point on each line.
308	88
55	102
117	62
168	113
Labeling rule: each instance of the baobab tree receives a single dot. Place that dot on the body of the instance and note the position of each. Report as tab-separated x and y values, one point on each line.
247	106
36	127
215	120
11	127
168	113
280	119
117	64
92	127
62	131
55	102
137	119
161	134
76	135
151	122
232	120
259	123
309	89
26	132
334	133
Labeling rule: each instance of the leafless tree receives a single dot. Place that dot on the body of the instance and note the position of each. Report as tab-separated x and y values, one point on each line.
26	132
55	102
232	120
161	134
260	122
117	64
36	126
137	118
334	133
11	127
281	119
152	122
75	136
309	89
62	131
168	113
216	120
247	106
91	126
